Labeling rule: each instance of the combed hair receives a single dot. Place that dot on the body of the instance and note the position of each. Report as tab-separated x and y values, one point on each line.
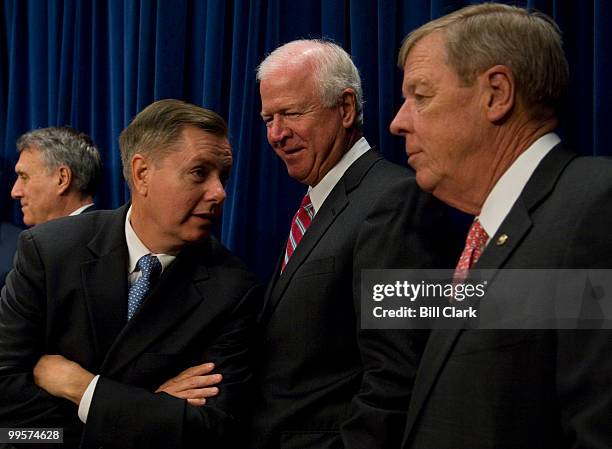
156	129
481	36
65	146
333	69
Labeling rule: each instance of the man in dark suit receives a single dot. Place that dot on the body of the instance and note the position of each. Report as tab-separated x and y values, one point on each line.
58	172
117	302
323	382
482	88
8	245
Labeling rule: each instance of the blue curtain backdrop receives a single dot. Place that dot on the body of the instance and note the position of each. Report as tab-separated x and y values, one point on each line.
93	64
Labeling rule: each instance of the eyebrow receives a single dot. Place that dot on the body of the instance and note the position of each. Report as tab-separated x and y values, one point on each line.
419	81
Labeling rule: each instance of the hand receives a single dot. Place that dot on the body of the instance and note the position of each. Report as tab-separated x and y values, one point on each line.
61	377
194	384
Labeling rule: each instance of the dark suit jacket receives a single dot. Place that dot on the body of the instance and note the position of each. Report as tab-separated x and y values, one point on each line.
324	382
528	389
68	295
8	246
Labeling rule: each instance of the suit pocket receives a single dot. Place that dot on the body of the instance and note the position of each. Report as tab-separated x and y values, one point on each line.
316	267
316	439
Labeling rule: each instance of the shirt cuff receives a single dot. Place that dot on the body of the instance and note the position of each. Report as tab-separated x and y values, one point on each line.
86	399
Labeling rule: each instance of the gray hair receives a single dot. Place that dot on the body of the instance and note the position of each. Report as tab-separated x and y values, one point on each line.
67	146
481	36
333	69
156	129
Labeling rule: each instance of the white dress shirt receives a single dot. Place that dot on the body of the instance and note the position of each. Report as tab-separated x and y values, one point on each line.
319	192
509	187
136	249
80	209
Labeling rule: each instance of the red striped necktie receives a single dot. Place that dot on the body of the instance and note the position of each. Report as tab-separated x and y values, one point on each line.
301	220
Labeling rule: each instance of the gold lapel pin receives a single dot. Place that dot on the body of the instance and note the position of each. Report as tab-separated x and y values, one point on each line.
501	240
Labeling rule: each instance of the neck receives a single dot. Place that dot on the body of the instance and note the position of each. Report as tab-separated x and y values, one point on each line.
147	232
503	148
352	136
71	203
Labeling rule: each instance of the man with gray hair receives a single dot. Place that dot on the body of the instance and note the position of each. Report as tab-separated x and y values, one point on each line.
482	89
112	321
323	382
57	174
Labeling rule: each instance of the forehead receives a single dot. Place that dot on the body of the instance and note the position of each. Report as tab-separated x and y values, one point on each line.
30	158
201	145
426	61
288	85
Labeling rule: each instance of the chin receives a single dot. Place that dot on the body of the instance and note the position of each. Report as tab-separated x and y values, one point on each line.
198	236
425	183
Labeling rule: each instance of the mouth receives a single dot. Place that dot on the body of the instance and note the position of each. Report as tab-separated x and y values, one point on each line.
206	216
290	151
411	155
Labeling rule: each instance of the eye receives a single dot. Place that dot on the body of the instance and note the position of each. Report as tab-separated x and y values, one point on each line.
199	173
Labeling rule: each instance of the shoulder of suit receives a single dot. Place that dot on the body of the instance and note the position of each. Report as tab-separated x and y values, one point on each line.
217	257
595	172
382	174
75	228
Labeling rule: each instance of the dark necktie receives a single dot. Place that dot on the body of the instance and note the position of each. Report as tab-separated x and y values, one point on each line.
150	268
299	225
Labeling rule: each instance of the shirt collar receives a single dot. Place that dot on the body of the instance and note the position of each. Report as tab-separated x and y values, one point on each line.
81	209
319	193
137	249
509	187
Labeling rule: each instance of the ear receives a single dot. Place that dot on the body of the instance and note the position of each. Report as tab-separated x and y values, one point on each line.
348	108
500	85
141	170
64	179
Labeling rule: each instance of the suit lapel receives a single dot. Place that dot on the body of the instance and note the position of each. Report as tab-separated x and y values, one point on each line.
178	292
515	226
333	206
335	203
104	280
518	222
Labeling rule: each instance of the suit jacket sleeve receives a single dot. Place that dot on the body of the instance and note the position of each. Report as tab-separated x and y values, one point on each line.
401	231
22	343
584	360
126	416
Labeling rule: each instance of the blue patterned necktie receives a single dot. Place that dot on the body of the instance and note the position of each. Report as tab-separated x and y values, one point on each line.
150	267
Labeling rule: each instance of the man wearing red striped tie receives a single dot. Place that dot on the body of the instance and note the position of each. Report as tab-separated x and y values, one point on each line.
323	381
482	90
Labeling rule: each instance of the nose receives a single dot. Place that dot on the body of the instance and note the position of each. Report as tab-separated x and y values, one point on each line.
17	190
215	192
277	131
402	123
